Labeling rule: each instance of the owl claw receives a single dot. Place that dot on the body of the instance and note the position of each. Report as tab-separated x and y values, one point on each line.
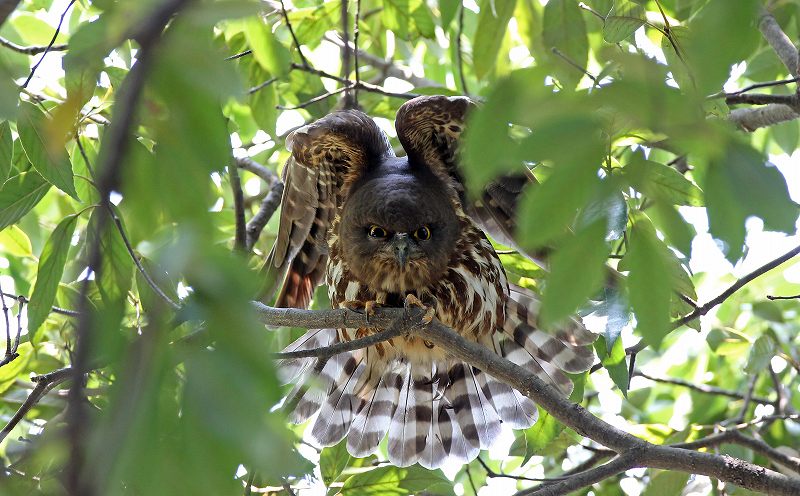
367	307
412	300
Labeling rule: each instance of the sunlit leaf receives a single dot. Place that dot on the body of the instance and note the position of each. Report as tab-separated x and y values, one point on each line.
398	481
268	51
6	151
492	22
649	284
763	350
566	287
46	153
15	242
332	461
565	31
613	358
622	21
19	194
48	274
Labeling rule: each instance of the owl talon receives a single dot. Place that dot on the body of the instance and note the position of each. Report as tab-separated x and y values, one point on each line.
430	311
367	307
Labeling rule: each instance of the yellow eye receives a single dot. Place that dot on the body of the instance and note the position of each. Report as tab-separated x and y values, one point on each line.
422	234
377	231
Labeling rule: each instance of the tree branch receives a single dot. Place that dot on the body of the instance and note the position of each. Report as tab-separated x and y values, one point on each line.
779	42
240	239
49	45
630	448
750	119
616	466
44	383
702	388
31	50
265	212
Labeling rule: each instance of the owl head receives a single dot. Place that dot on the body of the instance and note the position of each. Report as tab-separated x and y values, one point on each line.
398	227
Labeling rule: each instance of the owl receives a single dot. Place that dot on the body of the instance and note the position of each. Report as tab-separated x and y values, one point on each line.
384	230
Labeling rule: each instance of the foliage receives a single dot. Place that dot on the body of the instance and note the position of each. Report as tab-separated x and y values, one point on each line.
618	108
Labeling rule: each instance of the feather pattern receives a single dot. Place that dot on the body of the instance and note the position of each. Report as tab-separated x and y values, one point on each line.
431	407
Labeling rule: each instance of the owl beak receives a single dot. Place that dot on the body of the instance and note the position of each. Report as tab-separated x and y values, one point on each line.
400	245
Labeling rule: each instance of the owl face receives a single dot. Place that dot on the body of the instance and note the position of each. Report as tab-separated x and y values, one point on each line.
398	230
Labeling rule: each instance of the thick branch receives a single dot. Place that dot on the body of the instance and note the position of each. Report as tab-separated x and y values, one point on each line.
779	42
574	416
750	119
31	50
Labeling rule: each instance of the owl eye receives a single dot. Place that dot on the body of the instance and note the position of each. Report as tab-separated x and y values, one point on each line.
377	232
423	233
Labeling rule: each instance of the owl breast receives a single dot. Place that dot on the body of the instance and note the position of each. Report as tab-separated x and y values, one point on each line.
470	297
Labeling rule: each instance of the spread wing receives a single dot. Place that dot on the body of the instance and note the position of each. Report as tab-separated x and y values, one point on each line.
429	128
326	155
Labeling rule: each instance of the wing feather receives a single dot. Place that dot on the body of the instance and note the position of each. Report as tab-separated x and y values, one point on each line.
326	155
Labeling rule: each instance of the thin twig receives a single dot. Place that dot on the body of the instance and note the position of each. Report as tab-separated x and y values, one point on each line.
315	99
240	239
128	246
349	101
31	50
265	212
8	324
239	55
702	388
116	141
584	479
459	53
394	330
49	45
54	309
492	474
44	383
261	86
794	297
361	85
355	52
294	36
717	300
574	64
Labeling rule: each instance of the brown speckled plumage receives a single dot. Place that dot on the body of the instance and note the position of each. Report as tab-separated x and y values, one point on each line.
343	179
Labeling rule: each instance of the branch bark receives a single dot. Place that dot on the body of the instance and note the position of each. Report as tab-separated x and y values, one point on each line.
633	451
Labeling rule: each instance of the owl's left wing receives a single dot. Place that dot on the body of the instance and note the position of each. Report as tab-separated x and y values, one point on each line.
326	155
429	128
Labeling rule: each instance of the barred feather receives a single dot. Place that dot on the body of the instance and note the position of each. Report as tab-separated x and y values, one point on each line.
340	407
291	369
372	421
403	431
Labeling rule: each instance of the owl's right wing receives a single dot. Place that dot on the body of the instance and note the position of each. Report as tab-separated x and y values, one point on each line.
327	155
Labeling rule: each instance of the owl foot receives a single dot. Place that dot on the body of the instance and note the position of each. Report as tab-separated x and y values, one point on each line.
430	310
367	307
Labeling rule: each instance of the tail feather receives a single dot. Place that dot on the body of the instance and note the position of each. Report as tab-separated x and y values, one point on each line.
403	435
291	369
311	390
525	306
372	421
433	455
453	442
483	411
515	410
340	406
512	351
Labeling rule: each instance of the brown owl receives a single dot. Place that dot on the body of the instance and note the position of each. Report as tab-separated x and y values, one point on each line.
393	231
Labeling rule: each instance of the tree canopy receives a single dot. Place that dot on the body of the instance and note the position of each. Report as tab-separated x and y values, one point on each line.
140	150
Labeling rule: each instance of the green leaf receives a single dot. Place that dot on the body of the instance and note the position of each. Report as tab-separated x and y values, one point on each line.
786	135
447	11
115	274
565	30
568	288
614	360
10	372
740	184
6	151
760	354
623	20
649	288
544	431
711	60
492	23
20	194
396	17
46	153
662	182
677	231
666	483
398	481
48	274
557	199
332	461
423	20
16	242
768	310
267	50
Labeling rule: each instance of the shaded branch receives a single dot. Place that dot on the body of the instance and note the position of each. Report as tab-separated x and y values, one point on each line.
44	383
49	45
702	388
634	452
31	50
240	239
792	100
54	309
779	42
459	50
583	479
265	212
294	36
750	119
